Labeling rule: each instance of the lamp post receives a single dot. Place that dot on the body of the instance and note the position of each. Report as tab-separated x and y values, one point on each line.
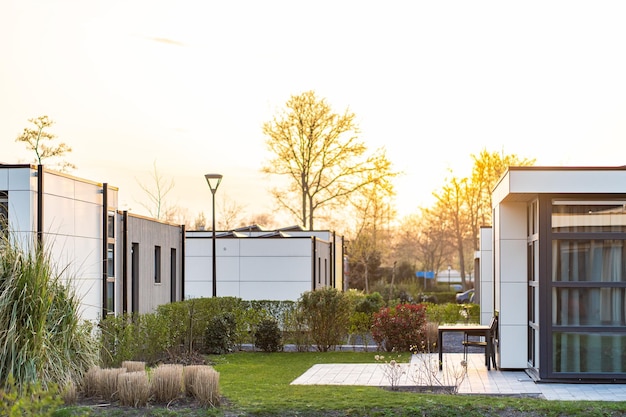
449	268
214	181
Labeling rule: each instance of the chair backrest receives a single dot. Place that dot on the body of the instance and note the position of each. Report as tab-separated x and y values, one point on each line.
494	327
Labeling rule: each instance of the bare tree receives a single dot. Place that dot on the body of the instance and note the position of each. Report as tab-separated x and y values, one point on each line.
37	140
231	214
157	191
318	151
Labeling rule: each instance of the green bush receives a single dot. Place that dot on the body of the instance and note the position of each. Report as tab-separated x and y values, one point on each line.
326	313
452	313
31	399
220	334
268	337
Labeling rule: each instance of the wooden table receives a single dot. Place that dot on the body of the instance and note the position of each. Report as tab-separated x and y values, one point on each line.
475	329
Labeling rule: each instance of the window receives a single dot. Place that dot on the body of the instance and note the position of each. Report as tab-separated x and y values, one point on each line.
157	264
110	263
111	225
588	287
173	274
111	260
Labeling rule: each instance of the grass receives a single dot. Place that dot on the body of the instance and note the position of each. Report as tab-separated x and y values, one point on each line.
257	384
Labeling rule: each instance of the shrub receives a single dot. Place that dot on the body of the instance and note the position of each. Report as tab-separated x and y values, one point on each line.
296	331
400	327
268	337
167	383
220	333
28	399
326	312
133	389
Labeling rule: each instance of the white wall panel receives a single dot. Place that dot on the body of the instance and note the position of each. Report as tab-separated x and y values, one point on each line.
198	247
277	268
513	261
88	192
227	289
227	268
4	179
58	185
273	290
88	219
22	179
22	212
512	347
58	215
277	247
88	257
198	289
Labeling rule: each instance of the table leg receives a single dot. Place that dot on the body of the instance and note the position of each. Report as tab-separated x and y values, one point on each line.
440	348
488	349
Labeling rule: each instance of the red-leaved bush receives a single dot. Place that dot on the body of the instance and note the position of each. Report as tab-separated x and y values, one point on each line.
398	328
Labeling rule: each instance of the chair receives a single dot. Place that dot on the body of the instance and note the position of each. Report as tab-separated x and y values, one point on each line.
493	338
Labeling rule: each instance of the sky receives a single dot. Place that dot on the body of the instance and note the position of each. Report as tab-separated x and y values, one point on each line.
187	85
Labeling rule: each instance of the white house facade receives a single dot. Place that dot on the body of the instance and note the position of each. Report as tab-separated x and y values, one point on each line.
255	264
78	224
554	270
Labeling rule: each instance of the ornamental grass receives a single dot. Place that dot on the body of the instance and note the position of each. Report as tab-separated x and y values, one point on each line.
134	366
43	339
133	388
107	380
167	383
205	386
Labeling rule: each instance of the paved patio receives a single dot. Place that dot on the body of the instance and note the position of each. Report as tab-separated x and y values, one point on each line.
478	380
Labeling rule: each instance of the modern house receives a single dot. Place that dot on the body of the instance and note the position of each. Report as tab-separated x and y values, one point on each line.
257	264
554	270
117	262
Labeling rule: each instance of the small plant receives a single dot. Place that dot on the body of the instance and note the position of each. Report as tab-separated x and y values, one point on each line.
425	372
393	370
167	383
268	337
133	389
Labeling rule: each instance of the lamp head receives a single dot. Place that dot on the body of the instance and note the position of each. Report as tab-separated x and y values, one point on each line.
214	181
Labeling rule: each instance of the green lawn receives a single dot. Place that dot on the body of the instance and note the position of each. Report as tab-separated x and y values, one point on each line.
257	384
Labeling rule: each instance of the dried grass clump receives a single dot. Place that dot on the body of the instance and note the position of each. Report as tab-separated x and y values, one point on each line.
133	388
189	376
205	386
91	382
69	393
167	382
134	366
108	382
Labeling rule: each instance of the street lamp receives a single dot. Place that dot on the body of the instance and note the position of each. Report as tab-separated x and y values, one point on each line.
449	268
214	181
